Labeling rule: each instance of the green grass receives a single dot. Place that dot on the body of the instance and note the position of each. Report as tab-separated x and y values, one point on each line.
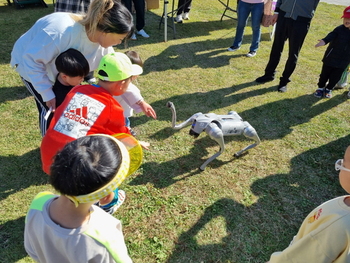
237	210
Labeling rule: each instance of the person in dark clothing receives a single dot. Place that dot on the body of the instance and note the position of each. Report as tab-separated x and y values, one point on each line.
293	21
183	10
336	58
139	6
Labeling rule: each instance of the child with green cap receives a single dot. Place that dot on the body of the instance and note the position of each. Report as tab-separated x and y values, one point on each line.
68	227
91	109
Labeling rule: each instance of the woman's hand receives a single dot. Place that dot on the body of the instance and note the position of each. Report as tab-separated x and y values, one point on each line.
51	104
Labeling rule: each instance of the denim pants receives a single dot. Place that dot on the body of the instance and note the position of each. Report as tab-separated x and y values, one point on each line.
243	11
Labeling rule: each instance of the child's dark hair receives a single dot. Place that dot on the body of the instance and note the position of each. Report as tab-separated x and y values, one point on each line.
72	63
85	165
134	57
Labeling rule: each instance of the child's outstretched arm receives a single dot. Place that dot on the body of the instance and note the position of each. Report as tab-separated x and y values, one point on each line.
147	109
320	43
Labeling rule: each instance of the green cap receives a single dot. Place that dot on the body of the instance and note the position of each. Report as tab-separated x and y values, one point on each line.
117	66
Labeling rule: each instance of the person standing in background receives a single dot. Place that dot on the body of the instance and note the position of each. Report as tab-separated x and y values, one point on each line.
336	58
72	6
139	6
183	10
246	7
293	22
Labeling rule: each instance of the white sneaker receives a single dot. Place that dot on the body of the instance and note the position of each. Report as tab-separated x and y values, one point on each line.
185	16
142	33
178	19
133	37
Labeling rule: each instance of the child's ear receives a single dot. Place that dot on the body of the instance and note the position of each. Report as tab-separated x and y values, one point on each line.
63	76
107	199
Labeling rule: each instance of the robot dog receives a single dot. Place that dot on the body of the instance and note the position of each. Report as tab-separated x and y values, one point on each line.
217	126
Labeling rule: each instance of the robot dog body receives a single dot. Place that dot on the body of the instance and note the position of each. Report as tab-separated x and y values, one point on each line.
217	126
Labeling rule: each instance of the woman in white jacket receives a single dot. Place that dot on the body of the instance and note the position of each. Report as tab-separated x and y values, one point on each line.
106	24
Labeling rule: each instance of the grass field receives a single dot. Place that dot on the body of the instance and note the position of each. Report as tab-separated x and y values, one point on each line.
237	210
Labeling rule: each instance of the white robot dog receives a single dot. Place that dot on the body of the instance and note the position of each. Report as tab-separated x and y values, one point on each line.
217	126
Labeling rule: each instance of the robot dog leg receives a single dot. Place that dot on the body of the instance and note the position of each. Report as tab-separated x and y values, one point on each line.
216	134
250	133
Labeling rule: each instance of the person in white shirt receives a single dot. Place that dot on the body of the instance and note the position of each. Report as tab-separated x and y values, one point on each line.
132	99
106	24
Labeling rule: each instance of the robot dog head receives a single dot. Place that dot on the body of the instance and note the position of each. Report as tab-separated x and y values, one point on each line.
199	125
193	133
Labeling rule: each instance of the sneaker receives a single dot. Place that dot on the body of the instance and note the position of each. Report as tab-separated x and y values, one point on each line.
281	88
133	37
185	16
133	133
251	54
118	200
142	33
264	79
348	95
178	19
327	93
233	48
319	93
91	81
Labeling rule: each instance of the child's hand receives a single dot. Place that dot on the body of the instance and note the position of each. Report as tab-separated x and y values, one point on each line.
148	110
320	43
144	145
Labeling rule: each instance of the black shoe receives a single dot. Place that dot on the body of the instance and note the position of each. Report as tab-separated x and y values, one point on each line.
282	88
264	79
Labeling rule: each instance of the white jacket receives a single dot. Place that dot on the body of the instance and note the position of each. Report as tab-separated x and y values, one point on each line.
34	53
128	100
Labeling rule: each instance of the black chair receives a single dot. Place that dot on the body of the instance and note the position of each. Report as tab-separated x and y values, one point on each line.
228	8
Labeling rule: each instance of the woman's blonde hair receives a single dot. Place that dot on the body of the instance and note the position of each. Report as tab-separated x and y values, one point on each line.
107	16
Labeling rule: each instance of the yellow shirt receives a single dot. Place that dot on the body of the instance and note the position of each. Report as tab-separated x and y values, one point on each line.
322	238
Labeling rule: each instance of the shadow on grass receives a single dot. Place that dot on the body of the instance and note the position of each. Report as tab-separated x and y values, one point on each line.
11	240
17	22
275	120
14	93
272	120
164	174
190	103
189	29
205	54
20	172
253	232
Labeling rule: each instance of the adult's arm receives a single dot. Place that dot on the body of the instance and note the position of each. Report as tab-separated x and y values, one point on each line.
40	52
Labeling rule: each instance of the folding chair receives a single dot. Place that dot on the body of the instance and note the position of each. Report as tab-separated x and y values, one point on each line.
228	8
171	14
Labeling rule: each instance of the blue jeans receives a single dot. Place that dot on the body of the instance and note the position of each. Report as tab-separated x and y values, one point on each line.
243	11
